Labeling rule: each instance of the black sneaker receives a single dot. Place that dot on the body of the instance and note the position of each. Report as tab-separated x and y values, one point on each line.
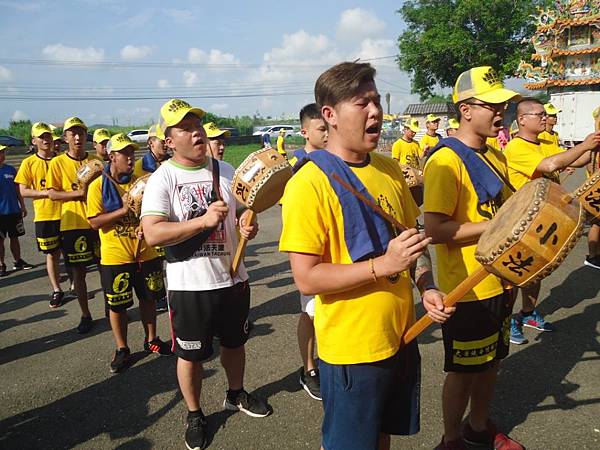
242	401
592	261
56	299
3	272
157	346
310	383
120	360
85	325
22	264
195	438
161	305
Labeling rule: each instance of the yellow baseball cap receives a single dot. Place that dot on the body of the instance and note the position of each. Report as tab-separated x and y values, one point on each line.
101	135
73	122
213	131
453	123
39	128
119	142
483	84
432	118
551	110
174	111
56	136
3	147
412	124
156	131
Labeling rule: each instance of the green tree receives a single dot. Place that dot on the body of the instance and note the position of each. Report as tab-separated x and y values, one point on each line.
20	129
446	37
439	98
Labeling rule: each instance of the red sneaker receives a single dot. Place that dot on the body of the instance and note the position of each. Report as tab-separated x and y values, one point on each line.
489	437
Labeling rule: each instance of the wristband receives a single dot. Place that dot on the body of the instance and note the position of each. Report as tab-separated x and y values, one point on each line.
372	266
427	287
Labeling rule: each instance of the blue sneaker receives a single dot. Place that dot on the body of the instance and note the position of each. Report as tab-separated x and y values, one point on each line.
535	320
516	331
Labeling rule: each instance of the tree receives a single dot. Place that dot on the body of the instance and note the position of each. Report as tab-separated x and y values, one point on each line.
446	37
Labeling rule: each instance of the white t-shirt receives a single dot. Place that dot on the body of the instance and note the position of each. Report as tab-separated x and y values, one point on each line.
180	193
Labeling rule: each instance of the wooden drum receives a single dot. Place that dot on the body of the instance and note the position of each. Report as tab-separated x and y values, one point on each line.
88	172
588	195
135	195
414	179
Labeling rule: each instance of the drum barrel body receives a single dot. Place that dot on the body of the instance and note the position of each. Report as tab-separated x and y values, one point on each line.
588	195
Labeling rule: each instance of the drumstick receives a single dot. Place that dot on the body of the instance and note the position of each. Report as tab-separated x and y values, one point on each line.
241	248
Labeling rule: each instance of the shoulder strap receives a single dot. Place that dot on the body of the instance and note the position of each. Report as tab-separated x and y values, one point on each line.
500	174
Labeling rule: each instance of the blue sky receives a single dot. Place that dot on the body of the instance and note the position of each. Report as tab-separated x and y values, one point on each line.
248	57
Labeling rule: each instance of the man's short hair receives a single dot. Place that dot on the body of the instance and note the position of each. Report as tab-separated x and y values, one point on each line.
524	104
341	82
310	111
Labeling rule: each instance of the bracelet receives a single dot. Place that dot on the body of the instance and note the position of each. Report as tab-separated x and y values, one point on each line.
429	286
372	266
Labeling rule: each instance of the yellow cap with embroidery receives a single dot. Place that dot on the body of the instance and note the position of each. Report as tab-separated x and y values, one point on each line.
453	123
156	131
39	128
412	124
213	131
174	111
551	110
3	147
120	141
74	122
432	118
483	84
101	135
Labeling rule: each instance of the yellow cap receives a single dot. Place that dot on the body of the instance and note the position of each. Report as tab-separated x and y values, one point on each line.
156	131
39	128
73	122
174	111
56	136
453	123
432	118
3	147
412	124
551	110
101	135
119	142
213	131
483	84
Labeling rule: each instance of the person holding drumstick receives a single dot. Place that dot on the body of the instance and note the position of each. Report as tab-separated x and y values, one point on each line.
362	280
463	193
189	209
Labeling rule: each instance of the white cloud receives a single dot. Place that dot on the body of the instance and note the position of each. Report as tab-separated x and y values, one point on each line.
59	52
218	107
179	15
357	24
19	115
5	74
375	48
190	78
163	84
24	6
214	57
131	52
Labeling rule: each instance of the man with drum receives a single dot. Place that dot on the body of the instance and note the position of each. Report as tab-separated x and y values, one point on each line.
369	385
463	193
528	159
76	237
189	209
124	267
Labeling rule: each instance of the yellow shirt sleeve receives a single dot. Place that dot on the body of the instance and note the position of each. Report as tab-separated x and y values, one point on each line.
396	149
24	175
523	158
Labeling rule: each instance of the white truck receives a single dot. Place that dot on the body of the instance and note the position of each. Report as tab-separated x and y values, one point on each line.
575	121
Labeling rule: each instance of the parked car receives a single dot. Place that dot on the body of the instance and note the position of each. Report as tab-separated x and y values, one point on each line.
234	131
11	141
273	130
138	136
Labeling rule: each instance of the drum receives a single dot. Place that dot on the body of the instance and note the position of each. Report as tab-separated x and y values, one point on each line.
135	195
414	179
260	180
88	172
588	195
531	234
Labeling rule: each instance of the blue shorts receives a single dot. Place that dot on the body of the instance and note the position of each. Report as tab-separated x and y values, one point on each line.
363	400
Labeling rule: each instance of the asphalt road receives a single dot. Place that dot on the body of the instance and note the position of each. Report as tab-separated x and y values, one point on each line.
57	391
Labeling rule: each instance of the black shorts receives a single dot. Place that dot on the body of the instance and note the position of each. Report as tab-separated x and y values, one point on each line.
47	235
477	334
198	316
118	283
11	225
78	247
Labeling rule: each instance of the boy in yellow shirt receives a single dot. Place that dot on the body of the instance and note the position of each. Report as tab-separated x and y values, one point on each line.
452	127
362	280
463	193
76	236
216	140
406	150
31	178
431	137
100	141
281	143
124	266
528	159
157	153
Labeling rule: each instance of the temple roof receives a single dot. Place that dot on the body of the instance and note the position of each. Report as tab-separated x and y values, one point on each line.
550	83
560	52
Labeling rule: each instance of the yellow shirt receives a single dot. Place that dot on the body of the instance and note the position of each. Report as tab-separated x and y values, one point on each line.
118	241
62	176
427	140
493	142
138	170
280	145
523	157
364	324
450	192
32	174
551	138
406	152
